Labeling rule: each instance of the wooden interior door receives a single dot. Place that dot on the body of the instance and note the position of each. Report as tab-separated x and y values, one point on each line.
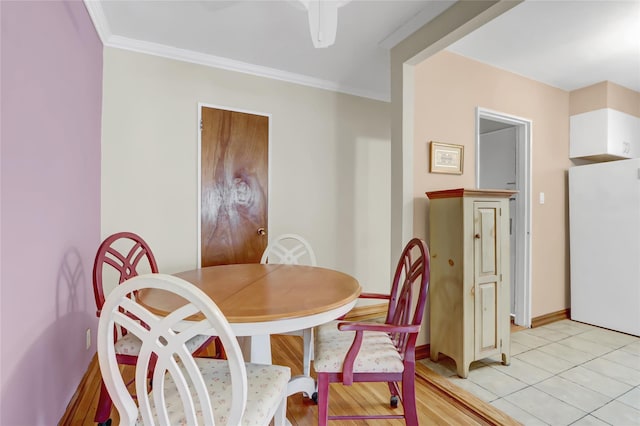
234	186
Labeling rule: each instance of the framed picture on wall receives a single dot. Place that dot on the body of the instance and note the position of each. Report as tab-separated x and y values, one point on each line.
446	158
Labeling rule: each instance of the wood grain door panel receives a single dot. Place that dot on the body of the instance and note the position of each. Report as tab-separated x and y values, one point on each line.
234	186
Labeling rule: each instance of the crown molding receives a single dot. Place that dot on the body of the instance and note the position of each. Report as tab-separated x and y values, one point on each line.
99	19
94	7
213	61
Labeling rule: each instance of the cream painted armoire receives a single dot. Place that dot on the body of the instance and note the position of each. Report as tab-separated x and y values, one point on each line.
469	285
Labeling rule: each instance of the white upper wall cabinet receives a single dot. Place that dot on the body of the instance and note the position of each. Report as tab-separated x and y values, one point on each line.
604	135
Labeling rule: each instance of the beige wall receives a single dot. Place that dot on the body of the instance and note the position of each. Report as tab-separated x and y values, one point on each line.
329	161
604	95
448	88
460	19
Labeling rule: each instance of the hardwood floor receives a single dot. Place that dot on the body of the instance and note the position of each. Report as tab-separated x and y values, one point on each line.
438	401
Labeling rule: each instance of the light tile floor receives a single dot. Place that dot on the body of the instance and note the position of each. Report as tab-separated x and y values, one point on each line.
564	373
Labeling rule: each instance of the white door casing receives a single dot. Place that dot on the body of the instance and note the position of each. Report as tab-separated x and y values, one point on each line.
522	217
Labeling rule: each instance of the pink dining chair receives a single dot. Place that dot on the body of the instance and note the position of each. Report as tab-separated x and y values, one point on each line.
122	256
348	352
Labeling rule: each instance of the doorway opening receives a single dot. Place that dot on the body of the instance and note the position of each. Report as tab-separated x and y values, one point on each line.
503	161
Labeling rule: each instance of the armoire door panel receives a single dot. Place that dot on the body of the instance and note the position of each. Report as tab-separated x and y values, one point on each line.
486	239
486	317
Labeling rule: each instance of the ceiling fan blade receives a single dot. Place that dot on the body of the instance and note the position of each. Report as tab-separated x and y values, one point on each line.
323	20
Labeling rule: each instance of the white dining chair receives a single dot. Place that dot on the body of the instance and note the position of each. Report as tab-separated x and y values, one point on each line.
292	249
121	256
186	390
289	249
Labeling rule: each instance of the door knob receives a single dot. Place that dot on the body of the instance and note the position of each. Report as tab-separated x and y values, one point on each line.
477	236
261	231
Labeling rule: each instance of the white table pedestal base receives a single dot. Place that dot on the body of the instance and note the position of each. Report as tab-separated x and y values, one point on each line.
256	349
304	384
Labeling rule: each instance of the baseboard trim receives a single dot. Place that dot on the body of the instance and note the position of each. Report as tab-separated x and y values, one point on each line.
422	351
549	318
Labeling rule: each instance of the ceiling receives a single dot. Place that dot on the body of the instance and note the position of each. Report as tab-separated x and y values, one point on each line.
567	44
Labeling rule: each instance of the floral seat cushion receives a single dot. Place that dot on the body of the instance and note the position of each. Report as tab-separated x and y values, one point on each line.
377	353
266	387
130	344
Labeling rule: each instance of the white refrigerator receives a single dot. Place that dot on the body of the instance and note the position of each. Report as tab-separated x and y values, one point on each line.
604	230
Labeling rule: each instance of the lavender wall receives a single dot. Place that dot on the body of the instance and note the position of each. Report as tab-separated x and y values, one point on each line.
51	97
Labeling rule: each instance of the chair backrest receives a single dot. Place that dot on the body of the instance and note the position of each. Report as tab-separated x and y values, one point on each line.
289	249
122	255
163	350
409	291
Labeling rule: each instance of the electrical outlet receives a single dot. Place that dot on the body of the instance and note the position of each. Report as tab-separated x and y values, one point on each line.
88	341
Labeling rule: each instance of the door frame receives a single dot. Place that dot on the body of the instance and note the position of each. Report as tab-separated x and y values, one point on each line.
199	170
523	204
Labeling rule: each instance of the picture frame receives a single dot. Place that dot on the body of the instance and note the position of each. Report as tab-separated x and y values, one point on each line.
446	158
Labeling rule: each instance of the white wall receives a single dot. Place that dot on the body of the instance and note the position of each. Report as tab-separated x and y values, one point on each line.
329	161
498	159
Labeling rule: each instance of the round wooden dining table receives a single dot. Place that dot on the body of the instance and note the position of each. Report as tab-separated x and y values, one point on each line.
263	299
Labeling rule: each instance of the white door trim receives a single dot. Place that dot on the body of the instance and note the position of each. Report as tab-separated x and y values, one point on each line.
199	170
523	206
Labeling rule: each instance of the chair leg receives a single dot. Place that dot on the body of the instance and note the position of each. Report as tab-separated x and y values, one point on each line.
409	399
103	411
323	399
307	347
280	417
395	393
